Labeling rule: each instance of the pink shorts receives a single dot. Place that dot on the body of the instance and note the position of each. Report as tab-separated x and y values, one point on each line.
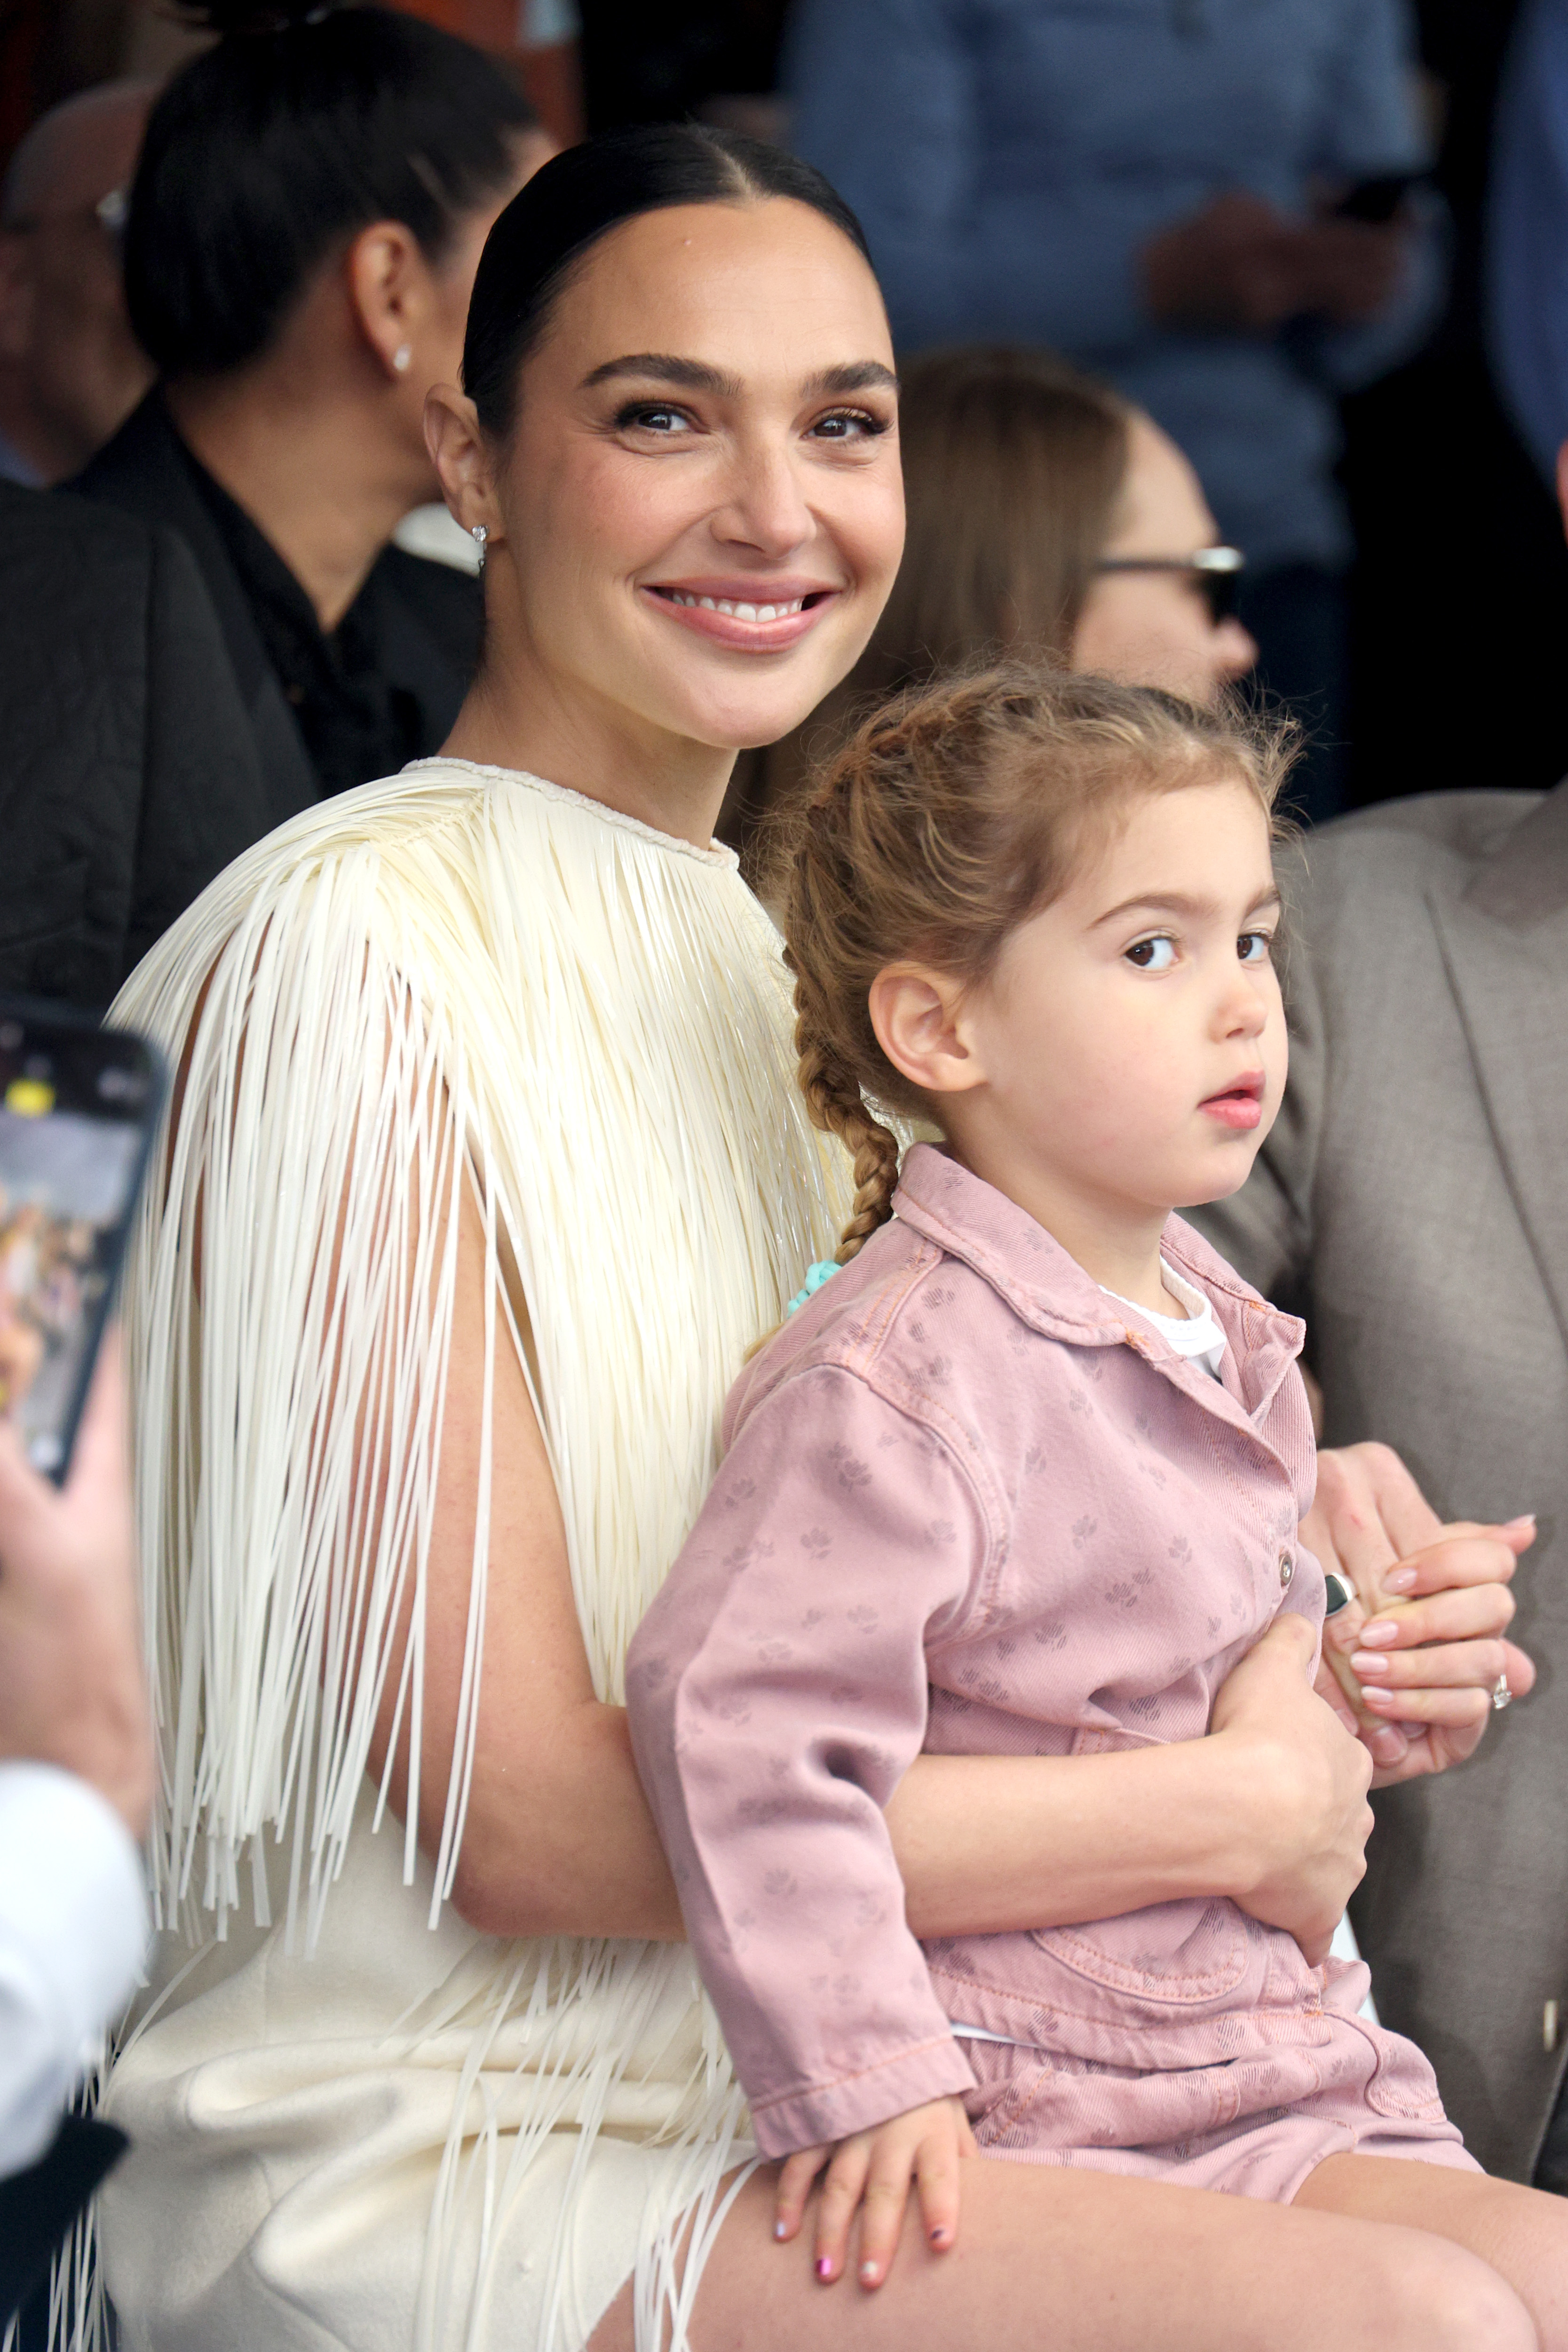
1250	2127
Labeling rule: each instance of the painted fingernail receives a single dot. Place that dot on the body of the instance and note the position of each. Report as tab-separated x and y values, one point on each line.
1376	1698
825	2268
1367	1662
870	2274
1379	1635
1525	1520
1399	1580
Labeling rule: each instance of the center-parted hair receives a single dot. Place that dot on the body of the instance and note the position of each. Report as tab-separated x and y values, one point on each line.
548	228
952	815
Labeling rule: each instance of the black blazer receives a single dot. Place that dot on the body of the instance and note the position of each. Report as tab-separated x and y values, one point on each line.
129	774
428	618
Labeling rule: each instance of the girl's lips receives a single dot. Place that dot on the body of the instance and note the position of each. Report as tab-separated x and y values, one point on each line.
739	622
1241	1106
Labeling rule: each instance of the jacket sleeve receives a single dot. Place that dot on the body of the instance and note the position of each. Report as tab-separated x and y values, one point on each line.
777	1691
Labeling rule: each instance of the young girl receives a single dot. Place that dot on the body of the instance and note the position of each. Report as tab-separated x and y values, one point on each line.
1024	1477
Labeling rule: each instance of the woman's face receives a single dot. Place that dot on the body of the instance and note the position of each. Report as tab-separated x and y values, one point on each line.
700	512
1154	628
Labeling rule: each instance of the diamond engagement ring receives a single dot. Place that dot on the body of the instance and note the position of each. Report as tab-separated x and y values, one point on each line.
1502	1696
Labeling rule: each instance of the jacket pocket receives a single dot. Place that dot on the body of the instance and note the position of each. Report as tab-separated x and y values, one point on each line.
1174	1955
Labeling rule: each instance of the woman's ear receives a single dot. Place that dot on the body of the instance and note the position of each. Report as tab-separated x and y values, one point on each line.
918	1016
461	457
388	282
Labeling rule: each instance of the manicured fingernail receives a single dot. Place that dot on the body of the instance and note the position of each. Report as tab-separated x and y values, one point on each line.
825	2268
1379	1635
870	2274
1399	1580
1376	1698
1367	1662
1525	1520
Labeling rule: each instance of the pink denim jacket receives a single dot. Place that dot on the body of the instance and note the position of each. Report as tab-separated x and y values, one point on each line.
970	1503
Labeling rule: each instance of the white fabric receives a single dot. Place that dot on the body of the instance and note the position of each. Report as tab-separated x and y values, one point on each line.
1196	1333
73	1930
357	2123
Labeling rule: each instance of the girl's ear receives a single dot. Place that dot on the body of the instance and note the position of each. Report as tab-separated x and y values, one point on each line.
917	1015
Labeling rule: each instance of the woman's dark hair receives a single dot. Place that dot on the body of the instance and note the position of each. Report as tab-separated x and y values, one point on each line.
299	128
577	199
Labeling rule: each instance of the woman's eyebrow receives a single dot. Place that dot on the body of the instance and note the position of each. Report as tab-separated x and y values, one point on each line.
696	376
664	367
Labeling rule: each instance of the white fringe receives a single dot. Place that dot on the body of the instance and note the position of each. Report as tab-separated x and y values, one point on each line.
462	977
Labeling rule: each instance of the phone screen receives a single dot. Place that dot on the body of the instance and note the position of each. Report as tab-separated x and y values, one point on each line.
77	1108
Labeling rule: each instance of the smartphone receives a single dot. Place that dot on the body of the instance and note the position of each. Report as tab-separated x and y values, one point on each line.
1376	202
78	1105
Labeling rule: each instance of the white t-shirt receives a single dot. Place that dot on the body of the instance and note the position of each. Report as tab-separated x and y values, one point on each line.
1195	1333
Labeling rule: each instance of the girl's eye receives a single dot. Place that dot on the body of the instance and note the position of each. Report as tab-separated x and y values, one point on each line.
1152	955
1253	947
653	416
849	425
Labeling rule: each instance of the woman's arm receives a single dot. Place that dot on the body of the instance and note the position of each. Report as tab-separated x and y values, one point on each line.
558	1839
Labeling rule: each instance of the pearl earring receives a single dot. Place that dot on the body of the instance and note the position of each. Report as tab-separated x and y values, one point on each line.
401	359
481	534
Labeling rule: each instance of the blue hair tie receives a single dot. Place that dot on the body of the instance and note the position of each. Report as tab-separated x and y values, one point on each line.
815	1277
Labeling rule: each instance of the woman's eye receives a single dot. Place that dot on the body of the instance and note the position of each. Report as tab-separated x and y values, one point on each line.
1253	947
1152	955
653	416
849	425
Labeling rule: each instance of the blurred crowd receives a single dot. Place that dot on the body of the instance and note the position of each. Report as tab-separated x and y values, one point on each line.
1233	355
1228	356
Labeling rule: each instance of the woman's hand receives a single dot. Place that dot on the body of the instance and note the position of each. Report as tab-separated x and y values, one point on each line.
873	2170
1303	1782
1431	1666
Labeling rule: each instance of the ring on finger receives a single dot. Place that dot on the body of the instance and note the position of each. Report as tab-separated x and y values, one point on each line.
1502	1696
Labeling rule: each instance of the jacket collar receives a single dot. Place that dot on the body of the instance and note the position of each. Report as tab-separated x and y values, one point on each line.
1049	1291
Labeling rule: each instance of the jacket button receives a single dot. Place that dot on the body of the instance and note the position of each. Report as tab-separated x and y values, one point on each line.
1287	1568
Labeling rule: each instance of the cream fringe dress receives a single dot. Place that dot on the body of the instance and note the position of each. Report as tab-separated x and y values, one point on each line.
356	2122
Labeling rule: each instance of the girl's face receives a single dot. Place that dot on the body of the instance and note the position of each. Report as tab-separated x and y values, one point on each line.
1154	628
700	513
1127	1056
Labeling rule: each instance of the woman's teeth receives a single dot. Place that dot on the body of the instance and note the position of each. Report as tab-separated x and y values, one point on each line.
737	611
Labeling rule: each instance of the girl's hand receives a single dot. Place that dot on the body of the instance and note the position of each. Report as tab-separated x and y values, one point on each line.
873	2169
1429	1666
1298	1787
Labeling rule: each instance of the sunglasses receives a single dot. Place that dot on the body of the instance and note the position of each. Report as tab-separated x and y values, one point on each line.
1215	572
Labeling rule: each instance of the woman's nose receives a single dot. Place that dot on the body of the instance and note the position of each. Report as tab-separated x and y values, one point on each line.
1235	653
766	509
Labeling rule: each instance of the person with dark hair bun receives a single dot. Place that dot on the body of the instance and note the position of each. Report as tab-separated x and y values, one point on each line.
311	199
486	1169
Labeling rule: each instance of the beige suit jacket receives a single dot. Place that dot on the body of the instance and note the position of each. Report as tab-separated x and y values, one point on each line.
1411	1203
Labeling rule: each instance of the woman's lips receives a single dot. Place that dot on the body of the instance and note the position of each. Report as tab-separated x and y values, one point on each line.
763	619
1241	1106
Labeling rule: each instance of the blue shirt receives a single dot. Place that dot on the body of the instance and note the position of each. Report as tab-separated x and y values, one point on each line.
1009	159
1528	288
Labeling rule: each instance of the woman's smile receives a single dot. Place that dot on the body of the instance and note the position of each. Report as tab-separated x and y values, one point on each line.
745	616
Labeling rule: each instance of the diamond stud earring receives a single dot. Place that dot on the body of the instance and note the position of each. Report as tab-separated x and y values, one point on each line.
481	534
401	358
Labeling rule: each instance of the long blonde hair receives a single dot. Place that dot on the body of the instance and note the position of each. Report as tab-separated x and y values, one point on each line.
951	817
